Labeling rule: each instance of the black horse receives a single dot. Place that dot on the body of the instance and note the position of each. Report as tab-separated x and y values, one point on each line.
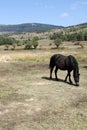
68	63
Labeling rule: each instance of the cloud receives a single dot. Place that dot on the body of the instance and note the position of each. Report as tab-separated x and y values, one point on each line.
78	4
38	4
42	5
49	6
65	14
83	3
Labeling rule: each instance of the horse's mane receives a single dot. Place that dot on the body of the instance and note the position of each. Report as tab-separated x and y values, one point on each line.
74	64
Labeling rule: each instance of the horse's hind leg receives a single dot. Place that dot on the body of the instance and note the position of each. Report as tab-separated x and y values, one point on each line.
66	77
56	69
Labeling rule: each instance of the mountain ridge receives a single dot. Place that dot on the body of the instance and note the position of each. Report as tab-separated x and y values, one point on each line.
28	27
35	27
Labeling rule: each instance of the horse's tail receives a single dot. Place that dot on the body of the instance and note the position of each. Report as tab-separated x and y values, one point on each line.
52	62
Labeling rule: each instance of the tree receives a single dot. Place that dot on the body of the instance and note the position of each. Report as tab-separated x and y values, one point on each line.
35	42
13	46
80	36
54	36
57	42
28	44
85	36
7	41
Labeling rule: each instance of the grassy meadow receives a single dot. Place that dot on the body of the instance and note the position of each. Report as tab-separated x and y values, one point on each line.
30	101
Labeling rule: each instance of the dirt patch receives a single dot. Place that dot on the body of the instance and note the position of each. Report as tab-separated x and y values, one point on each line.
5	58
80	101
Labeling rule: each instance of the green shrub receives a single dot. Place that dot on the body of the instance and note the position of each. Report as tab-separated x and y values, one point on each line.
28	45
57	42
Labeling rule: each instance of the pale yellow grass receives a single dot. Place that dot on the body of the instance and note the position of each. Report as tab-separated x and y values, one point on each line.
30	101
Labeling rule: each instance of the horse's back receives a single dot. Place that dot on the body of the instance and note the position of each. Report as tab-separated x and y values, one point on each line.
56	60
63	62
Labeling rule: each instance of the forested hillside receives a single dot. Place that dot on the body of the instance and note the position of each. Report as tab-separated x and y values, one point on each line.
27	27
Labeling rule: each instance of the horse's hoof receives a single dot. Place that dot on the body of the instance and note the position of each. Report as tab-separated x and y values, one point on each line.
71	82
77	85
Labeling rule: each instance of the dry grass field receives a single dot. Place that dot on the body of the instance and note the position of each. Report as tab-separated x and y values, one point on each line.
30	101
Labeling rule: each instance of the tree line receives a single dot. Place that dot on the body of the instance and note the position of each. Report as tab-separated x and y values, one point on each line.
77	36
28	44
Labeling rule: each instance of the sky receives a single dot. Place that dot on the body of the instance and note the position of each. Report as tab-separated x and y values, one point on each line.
54	12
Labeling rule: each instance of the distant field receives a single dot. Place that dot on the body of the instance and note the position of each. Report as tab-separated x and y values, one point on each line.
30	101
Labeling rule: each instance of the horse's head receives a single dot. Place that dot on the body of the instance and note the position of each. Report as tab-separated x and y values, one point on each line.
76	79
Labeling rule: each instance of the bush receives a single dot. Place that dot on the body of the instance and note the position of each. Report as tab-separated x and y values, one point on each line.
13	46
35	44
28	45
57	42
6	47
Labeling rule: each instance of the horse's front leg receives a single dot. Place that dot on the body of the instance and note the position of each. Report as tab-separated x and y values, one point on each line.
56	69
51	70
70	78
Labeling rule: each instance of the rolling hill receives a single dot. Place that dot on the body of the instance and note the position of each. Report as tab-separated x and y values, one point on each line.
28	27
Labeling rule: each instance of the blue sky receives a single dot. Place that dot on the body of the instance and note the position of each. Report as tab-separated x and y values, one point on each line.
55	12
